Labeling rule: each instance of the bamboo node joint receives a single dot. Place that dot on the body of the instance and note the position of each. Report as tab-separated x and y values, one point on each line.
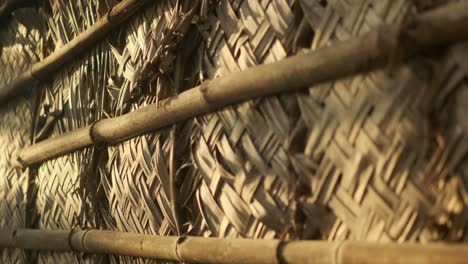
94	136
179	242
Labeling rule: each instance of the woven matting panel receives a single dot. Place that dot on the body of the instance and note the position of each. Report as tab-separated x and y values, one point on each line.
379	156
19	48
70	100
359	162
239	151
140	174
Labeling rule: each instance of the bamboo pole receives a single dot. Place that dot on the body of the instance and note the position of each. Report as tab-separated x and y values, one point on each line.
430	30
231	250
47	67
11	5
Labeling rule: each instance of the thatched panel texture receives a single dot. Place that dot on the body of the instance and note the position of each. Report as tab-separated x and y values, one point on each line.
139	176
357	164
376	157
372	152
240	151
70	99
20	47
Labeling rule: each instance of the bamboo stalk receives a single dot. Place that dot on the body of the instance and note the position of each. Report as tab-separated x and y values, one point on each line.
230	250
430	30
48	66
11	5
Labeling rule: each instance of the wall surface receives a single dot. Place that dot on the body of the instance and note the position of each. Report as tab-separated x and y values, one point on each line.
379	156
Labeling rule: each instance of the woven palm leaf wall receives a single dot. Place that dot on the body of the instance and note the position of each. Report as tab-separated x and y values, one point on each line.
70	99
138	175
351	159
376	157
20	46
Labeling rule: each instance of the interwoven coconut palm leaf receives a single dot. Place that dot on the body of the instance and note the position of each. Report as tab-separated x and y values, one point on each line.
373	148
358	162
19	48
140	174
70	100
379	156
447	173
238	151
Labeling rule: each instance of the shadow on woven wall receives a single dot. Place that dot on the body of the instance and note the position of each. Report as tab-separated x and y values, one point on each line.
19	48
377	157
361	158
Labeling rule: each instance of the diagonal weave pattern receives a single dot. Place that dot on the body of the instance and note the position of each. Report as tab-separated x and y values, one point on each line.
71	99
241	151
139	175
446	173
379	156
356	164
19	48
372	150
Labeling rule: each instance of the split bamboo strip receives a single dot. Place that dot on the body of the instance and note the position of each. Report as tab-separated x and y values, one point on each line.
430	30
11	5
230	250
44	69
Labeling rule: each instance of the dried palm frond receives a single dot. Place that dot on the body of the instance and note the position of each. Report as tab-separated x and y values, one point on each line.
140	175
353	166
371	148
364	53
446	174
95	33
240	152
379	156
20	46
73	98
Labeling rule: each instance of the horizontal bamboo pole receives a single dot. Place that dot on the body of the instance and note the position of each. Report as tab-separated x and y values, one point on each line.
11	5
439	27
231	250
44	69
